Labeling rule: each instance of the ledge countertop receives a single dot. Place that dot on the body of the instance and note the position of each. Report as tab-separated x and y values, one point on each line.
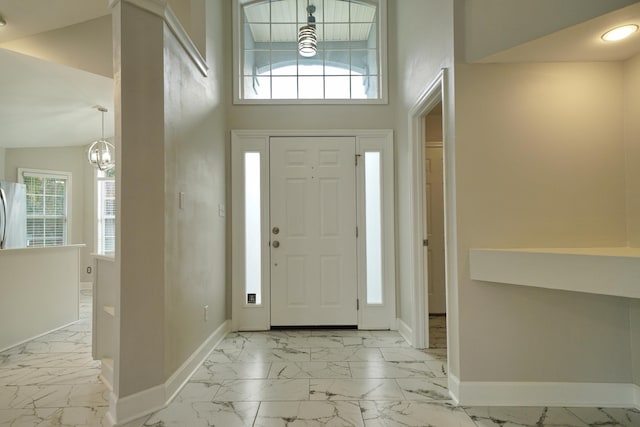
41	249
610	271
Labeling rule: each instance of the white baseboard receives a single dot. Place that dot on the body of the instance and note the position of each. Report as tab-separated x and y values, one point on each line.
136	405
180	377
86	286
37	336
405	331
454	388
106	372
608	395
129	408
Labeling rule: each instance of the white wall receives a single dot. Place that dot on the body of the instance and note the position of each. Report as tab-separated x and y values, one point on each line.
63	159
540	161
423	45
495	25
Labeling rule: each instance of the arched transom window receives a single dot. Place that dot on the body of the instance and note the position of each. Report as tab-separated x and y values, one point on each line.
343	60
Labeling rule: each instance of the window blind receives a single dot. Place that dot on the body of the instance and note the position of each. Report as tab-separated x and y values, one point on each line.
46	209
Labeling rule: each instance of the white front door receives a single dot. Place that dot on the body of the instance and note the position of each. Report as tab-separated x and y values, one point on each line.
313	231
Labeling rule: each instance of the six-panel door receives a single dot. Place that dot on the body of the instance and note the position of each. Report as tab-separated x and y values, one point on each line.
313	231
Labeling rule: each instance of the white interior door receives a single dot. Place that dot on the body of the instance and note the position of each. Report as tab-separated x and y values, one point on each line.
313	231
435	231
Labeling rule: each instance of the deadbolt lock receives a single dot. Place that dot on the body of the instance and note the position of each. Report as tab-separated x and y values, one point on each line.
275	230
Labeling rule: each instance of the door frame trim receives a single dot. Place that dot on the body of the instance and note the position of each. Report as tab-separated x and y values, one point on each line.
244	317
435	92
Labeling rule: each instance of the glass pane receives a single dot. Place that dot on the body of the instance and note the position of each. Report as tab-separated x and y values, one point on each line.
364	87
285	87
318	14
362	32
337	87
256	62
311	87
257	88
336	32
282	11
337	62
308	67
373	221
360	62
255	35
259	12
284	62
337	11
252	228
284	33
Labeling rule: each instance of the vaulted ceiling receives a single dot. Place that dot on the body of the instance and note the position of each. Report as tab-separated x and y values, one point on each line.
45	103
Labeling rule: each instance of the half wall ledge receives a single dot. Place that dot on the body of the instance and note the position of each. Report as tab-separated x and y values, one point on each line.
611	271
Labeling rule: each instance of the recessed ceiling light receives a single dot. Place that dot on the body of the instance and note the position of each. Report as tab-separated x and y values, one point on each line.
619	33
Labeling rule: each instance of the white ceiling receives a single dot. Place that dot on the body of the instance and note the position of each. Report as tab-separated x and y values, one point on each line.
47	105
581	42
28	17
44	104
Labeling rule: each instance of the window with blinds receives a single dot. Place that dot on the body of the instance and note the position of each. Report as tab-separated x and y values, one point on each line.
106	220
47	199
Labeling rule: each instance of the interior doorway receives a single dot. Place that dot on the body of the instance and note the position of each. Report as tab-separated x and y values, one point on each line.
434	242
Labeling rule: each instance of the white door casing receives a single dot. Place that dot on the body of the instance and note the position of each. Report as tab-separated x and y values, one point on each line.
313	211
373	314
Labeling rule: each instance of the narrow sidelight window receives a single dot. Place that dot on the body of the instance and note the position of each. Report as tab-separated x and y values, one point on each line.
373	221
252	228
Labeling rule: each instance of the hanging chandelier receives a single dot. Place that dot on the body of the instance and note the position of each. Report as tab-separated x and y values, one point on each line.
101	153
307	35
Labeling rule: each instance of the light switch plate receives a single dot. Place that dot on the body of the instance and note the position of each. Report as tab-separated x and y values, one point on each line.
181	200
221	211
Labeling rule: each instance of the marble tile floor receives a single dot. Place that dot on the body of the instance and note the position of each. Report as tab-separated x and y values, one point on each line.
275	378
52	380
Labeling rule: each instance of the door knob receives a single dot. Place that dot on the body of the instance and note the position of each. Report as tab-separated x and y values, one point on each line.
275	244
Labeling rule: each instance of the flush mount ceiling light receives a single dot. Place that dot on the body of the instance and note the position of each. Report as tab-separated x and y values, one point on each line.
307	36
619	33
2	21
101	154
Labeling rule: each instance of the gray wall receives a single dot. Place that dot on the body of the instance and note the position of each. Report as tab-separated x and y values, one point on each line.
556	131
171	123
195	163
634	320
2	157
